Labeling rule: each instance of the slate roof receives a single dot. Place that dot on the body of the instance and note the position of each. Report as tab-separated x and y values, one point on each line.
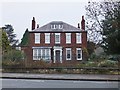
66	27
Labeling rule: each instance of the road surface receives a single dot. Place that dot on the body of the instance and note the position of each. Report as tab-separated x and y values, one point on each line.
26	83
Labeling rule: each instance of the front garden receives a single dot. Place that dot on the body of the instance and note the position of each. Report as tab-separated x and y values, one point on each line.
94	65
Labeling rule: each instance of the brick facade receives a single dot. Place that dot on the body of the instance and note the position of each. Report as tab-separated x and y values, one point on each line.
57	48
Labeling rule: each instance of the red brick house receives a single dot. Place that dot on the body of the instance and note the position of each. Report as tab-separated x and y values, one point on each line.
55	42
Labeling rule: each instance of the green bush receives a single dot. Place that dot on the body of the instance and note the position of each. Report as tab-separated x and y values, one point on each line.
108	63
91	64
40	64
114	57
13	58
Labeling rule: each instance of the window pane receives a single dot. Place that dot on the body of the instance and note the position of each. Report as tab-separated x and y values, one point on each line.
78	37
68	53
37	37
60	26
52	26
43	53
39	53
57	38
79	54
68	37
47	37
34	54
47	54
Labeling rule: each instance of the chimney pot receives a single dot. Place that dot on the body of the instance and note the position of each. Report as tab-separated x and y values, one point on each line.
37	25
78	25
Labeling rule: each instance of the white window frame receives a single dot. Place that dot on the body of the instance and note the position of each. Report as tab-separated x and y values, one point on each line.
49	54
35	58
55	26
70	53
77	53
41	56
37	38
60	26
78	38
52	26
68	38
38	53
47	38
59	38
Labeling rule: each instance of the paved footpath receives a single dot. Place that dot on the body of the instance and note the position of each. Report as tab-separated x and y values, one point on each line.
62	76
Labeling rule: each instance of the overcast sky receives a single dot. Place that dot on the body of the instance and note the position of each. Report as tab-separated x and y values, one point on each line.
19	13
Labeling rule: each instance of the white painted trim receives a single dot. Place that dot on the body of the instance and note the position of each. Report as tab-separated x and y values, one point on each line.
77	53
70	54
34	53
40	47
57	33
41	52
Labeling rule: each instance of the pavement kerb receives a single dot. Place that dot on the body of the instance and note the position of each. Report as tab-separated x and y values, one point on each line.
30	78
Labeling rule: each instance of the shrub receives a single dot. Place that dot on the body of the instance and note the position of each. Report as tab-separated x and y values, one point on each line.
108	63
91	64
13	58
40	63
114	57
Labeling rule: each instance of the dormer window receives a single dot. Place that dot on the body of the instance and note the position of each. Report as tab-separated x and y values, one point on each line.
56	26
52	26
60	26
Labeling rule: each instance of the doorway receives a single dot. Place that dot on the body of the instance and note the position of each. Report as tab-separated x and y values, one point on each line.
57	56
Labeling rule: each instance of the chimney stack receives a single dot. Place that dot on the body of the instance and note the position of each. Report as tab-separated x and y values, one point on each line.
37	25
33	23
83	23
78	25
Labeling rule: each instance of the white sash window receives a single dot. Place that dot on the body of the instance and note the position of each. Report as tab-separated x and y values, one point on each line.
37	38
57	38
68	53
44	54
68	37
79	53
78	37
47	37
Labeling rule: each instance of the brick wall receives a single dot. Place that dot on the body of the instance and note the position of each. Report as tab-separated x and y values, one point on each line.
73	45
